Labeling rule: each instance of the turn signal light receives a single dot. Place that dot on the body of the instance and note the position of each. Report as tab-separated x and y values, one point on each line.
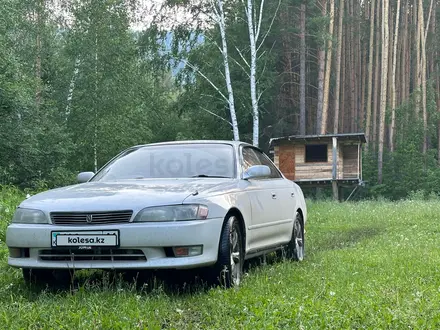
188	251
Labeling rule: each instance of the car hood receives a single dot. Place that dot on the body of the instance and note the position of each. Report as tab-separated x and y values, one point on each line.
125	195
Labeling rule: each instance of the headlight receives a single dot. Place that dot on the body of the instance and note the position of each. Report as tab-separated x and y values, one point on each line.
29	216
172	213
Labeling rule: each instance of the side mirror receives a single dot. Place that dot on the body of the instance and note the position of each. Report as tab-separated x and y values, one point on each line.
84	176
257	171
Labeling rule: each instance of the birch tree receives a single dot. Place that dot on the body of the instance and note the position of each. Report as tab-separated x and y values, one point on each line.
219	17
72	87
254	17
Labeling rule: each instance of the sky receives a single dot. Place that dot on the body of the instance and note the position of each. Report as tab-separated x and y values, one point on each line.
145	12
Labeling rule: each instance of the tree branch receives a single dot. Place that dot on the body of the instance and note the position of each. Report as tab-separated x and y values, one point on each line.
215	115
270	26
207	79
260	18
242	57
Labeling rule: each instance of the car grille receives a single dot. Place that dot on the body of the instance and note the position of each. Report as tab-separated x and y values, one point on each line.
92	255
90	218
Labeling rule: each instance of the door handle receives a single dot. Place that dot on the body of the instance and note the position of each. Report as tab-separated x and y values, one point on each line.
292	194
274	196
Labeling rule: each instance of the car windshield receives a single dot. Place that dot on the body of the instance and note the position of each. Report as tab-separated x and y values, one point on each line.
171	161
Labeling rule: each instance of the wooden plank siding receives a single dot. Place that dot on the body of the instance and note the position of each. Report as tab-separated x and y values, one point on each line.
318	170
289	157
350	166
340	163
286	160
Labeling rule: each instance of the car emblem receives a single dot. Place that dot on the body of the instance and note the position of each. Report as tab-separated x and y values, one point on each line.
89	218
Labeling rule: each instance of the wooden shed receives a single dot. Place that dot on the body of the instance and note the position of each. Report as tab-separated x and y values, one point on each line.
317	160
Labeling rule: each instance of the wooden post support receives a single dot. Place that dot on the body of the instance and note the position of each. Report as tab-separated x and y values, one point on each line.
335	190
359	162
335	169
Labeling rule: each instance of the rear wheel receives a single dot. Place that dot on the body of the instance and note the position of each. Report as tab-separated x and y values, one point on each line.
295	249
228	270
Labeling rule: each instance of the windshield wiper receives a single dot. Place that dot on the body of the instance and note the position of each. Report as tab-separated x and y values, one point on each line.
209	176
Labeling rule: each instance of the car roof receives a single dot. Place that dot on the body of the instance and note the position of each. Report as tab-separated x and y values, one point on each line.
233	143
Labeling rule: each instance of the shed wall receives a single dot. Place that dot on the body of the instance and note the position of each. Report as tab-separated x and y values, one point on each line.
305	171
290	159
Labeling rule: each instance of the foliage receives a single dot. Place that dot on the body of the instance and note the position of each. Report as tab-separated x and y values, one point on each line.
10	197
104	86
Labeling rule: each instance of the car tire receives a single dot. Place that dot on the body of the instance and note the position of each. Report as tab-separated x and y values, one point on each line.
228	270
295	250
38	276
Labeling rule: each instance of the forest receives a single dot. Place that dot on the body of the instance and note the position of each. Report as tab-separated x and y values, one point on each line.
80	80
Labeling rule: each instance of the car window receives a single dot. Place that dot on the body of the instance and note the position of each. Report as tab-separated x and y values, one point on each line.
252	156
265	161
171	161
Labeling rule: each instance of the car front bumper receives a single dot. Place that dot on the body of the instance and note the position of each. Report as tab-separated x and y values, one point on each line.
151	241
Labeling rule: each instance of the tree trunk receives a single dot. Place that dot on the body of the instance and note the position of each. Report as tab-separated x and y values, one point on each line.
343	84
383	95
338	67
377	75
72	87
438	111
422	72
353	101
224	51
358	66
409	54
363	76
370	74
327	69
417	77
321	68
393	79
39	22
403	73
253	72
95	122
302	96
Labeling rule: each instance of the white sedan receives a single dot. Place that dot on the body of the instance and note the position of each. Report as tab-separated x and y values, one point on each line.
173	205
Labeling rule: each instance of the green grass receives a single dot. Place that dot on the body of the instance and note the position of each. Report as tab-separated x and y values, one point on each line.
371	265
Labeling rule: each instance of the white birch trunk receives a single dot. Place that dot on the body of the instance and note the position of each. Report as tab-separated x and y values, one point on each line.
224	50
95	128
254	27
72	87
253	72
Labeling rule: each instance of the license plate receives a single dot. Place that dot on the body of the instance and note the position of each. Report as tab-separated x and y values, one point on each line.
96	238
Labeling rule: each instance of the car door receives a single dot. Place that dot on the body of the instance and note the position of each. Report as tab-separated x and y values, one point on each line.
271	203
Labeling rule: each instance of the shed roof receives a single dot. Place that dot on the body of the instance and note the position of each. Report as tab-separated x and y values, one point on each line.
304	138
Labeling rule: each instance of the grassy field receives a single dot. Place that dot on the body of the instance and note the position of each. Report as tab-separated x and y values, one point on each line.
368	265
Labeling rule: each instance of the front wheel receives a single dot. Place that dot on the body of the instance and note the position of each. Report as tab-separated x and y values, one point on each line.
295	249
229	267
